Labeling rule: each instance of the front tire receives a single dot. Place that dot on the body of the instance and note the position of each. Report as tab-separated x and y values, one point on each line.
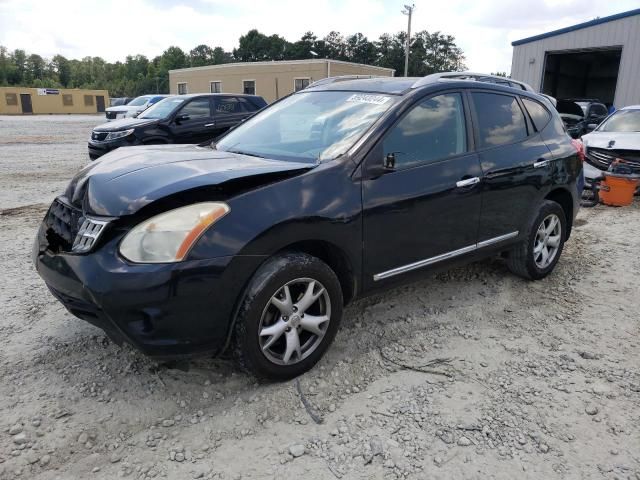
538	254
288	317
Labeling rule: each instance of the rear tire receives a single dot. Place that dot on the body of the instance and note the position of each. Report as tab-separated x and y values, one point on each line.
538	254
273	339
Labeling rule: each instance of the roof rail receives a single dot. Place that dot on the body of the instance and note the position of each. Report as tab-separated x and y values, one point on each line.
472	76
339	78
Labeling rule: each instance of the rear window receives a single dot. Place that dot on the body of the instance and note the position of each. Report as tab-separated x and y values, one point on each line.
500	119
539	115
598	110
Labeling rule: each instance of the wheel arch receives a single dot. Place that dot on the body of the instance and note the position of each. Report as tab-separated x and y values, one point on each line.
335	257
563	198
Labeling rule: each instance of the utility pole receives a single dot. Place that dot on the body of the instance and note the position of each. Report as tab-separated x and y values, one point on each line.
408	10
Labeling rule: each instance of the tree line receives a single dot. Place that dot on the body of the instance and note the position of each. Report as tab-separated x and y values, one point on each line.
430	53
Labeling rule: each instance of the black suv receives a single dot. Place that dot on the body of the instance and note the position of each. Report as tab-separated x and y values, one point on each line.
337	191
182	119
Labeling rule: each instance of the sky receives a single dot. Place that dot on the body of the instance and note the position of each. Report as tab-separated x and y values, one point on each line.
484	29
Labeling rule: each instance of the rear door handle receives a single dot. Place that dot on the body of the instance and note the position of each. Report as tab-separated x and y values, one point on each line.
541	163
467	182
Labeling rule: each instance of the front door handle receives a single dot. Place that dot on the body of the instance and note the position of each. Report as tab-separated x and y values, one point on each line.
467	182
541	163
210	125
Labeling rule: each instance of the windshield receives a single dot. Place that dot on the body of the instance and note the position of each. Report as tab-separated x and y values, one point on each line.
314	126
139	101
622	121
162	109
115	102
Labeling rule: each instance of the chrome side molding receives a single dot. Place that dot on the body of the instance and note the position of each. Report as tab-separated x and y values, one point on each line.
541	163
444	256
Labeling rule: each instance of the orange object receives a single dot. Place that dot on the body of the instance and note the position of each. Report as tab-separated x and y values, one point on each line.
617	191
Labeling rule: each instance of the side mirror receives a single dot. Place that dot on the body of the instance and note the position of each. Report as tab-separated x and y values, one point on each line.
591	127
183	117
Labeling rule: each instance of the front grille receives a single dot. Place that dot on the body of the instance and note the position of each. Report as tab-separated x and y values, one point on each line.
99	136
63	220
602	158
69	230
113	115
89	232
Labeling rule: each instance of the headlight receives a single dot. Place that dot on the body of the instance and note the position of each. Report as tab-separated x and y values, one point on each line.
122	134
168	237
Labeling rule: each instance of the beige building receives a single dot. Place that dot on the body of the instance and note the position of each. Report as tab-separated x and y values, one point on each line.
18	100
270	80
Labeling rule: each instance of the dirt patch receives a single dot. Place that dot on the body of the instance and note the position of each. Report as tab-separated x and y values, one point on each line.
25	210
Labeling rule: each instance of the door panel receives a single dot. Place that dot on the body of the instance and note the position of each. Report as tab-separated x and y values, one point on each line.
513	179
418	211
198	127
515	164
228	112
25	102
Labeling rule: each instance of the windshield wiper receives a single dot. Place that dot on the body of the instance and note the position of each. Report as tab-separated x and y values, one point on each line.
245	153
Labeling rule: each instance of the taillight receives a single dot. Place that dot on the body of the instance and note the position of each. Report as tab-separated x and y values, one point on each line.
579	146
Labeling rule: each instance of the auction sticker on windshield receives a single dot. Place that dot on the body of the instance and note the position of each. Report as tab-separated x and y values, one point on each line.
363	98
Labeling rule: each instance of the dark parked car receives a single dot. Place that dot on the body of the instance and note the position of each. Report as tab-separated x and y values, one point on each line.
258	240
181	119
577	114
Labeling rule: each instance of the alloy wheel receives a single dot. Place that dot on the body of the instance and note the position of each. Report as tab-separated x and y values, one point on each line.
294	321
547	242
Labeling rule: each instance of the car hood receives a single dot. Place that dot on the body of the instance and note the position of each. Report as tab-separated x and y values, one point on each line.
613	140
128	179
125	124
570	112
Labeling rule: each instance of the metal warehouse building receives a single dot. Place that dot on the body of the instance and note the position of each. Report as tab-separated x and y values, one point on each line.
18	100
270	80
596	59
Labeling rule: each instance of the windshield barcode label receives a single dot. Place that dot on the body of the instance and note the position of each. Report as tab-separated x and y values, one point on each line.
361	98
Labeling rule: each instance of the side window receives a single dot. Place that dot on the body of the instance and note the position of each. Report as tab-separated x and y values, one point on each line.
539	115
228	105
198	108
247	105
249	87
433	130
500	119
300	84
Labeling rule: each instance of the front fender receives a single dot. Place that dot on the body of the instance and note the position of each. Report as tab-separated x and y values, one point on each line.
323	204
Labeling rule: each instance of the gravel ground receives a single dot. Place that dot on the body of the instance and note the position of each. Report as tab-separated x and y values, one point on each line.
473	373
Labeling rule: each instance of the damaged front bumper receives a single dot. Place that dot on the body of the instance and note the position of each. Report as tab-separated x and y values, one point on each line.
164	310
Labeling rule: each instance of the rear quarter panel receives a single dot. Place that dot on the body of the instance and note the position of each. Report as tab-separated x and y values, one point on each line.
567	169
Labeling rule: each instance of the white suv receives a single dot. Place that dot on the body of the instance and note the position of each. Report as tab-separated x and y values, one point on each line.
133	108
